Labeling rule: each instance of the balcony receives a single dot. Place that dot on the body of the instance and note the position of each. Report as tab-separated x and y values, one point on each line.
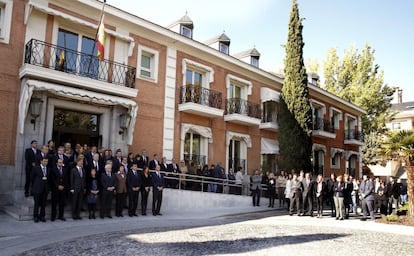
353	137
200	101
323	129
269	122
242	112
62	65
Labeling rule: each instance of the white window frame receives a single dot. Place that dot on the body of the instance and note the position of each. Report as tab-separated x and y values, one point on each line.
337	118
206	72
254	61
6	9
349	117
318	105
184	30
203	144
237	81
224	48
154	60
394	124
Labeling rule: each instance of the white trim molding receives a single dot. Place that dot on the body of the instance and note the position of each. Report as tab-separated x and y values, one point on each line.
242	81
241	136
6	20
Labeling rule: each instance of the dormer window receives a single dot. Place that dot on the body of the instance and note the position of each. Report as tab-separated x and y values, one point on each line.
186	31
254	61
224	48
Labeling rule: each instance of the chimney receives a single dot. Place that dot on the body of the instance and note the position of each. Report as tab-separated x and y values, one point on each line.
399	95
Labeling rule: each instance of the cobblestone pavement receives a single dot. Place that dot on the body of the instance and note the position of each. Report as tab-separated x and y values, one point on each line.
258	233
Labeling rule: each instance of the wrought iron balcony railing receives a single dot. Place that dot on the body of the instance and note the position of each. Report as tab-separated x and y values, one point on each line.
320	124
243	107
203	96
51	56
353	134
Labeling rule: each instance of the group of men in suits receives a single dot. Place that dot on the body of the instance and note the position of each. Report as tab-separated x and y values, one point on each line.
68	176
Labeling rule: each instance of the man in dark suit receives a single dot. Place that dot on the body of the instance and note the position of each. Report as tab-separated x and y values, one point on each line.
174	169
30	158
133	185
44	152
117	161
40	187
158	184
108	188
143	161
307	195
77	187
60	154
154	162
58	184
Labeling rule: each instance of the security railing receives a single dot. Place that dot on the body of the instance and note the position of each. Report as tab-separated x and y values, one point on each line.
320	124
51	56
353	134
243	107
196	94
269	117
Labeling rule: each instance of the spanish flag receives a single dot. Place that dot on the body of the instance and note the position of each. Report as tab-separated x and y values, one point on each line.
100	42
62	58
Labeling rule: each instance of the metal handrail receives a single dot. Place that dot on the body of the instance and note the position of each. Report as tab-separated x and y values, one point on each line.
243	107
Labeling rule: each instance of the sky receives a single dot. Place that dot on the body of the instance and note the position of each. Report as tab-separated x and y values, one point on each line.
387	26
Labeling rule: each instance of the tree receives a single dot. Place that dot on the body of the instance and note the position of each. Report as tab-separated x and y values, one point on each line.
295	113
400	146
358	80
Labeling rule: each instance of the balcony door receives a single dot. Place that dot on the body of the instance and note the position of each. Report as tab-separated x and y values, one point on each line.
236	151
79	54
194	148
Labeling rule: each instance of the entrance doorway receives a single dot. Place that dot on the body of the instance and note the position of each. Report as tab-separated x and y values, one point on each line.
76	127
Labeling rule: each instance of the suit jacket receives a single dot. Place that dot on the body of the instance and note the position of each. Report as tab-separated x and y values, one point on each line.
323	189
339	189
256	182
65	160
39	158
133	181
173	167
163	167
107	181
366	189
40	182
120	183
77	182
142	162
30	158
58	179
153	164
157	181
307	188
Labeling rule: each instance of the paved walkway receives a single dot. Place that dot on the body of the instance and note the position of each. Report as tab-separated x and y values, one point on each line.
226	231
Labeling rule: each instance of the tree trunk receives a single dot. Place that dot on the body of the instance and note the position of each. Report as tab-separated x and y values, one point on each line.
410	189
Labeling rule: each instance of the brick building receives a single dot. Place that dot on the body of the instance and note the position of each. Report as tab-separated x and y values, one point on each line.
158	88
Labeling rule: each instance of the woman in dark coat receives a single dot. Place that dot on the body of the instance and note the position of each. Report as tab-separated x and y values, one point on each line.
145	189
319	192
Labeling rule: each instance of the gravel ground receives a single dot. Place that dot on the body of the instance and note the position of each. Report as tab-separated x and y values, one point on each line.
249	234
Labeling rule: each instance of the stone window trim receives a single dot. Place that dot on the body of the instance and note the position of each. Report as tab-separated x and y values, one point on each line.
6	9
207	72
154	59
331	114
321	105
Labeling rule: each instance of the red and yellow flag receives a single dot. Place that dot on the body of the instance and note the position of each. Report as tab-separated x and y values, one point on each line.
100	42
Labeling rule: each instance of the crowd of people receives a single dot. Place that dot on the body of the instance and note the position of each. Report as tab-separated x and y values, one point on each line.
88	176
92	177
344	194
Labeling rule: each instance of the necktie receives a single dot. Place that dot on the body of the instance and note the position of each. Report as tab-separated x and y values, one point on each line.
60	171
44	171
80	172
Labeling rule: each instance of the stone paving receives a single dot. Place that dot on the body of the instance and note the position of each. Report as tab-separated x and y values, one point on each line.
225	233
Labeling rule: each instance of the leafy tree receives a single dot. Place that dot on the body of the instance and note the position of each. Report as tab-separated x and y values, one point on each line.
400	146
357	79
295	113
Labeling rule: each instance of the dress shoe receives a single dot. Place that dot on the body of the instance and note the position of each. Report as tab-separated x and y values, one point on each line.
341	219
337	218
52	219
136	215
159	214
363	219
62	219
109	216
36	220
79	217
26	194
42	219
131	215
154	214
144	213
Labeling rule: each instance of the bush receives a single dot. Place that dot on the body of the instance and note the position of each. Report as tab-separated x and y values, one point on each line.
403	209
390	218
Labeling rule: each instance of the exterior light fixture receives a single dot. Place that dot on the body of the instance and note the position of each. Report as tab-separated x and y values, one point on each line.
35	109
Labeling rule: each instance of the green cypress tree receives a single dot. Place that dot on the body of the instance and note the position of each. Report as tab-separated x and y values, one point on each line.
295	112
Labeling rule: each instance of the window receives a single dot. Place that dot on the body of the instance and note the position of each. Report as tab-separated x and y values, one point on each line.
350	127
194	146
193	78
396	126
269	162
187	32
270	110
235	155
68	53
148	63
6	8
336	161
336	116
254	61
318	162
224	48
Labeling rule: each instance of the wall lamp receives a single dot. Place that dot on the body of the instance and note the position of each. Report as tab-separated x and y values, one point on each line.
124	120
35	109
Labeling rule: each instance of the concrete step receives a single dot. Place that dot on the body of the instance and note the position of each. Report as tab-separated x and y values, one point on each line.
17	213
